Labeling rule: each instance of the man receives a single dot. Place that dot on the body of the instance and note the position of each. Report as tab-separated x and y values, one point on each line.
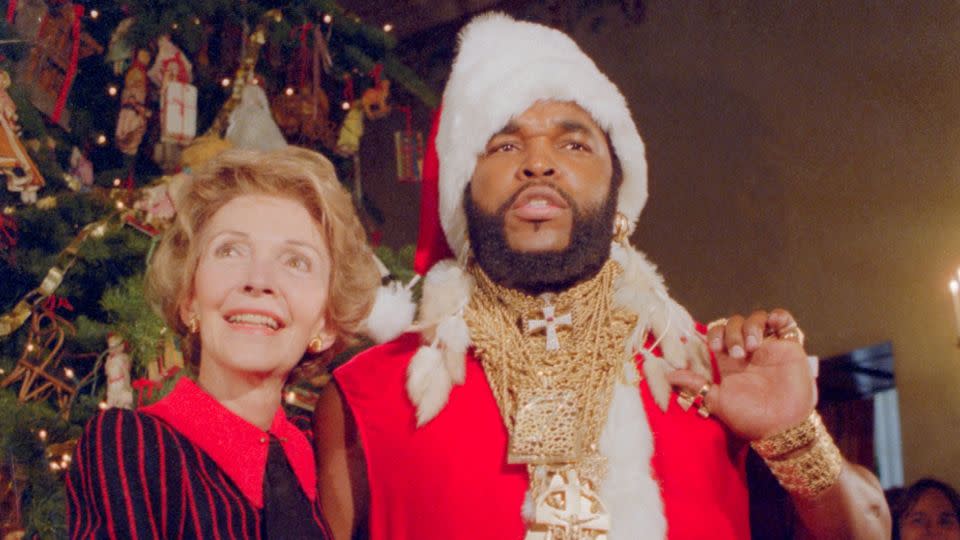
554	390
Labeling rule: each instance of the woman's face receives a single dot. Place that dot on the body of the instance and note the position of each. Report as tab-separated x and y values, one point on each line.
260	289
932	516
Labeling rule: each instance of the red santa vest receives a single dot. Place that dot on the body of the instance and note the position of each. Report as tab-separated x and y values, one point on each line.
449	479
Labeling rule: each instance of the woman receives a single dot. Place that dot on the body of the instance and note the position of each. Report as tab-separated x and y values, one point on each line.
927	509
264	272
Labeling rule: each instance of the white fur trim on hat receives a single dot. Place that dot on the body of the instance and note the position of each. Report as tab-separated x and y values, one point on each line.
502	68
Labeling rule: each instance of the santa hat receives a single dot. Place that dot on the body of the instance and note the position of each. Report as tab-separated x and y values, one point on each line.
502	68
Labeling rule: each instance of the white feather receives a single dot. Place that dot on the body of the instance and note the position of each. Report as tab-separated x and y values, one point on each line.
392	313
428	383
446	290
629	490
454	338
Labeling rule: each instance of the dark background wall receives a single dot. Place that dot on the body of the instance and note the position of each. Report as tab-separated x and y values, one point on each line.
802	154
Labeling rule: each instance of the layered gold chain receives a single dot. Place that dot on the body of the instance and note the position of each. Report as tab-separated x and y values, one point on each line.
553	402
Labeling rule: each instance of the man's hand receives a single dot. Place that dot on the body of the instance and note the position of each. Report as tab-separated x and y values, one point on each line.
767	385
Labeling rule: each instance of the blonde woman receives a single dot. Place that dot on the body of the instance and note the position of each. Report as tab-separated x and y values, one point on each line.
265	272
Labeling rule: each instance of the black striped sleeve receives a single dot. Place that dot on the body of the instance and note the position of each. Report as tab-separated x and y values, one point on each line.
114	488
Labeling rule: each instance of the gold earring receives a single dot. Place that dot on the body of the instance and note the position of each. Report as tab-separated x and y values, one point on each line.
621	229
315	345
193	325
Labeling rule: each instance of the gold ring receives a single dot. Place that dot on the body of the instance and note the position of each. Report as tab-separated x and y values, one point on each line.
685	400
700	401
791	332
713	324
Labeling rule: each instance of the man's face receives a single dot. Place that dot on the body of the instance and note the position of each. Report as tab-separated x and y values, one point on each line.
552	155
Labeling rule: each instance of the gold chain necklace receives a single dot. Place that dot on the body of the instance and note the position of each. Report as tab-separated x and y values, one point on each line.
551	362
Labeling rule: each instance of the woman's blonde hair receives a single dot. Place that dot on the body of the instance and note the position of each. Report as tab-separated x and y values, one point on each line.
295	173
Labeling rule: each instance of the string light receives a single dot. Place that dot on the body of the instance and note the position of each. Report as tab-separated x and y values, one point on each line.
288	91
387	27
67	458
225	82
345	105
2	371
174	26
30	347
328	18
120	205
94	14
101	139
291	396
112	90
42	434
116	182
103	405
196	20
68	372
8	210
99	230
54	466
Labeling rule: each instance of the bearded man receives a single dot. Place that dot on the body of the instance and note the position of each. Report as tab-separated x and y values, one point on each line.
553	390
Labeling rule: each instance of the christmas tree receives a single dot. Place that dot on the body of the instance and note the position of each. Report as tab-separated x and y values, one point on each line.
103	104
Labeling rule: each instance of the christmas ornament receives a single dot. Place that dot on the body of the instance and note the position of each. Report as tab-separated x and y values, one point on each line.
156	204
244	73
375	98
251	124
408	146
202	150
13	480
132	122
49	71
16	166
351	131
172	72
119	51
117	370
38	366
80	175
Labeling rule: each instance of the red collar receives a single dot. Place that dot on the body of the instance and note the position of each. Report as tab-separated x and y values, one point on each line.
237	446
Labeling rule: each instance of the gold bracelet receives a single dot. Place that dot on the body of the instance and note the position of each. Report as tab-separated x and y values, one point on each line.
814	469
795	438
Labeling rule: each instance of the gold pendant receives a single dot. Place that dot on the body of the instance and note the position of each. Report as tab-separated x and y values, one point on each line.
567	509
545	429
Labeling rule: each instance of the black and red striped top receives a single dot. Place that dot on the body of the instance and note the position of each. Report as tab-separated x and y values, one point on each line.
184	467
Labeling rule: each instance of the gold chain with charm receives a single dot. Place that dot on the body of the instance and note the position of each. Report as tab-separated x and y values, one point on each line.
554	402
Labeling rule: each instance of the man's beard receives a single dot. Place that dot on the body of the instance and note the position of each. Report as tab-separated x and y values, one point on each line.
543	271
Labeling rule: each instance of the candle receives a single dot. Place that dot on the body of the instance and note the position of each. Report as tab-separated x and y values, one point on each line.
955	293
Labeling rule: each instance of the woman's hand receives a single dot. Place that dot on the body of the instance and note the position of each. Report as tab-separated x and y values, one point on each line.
766	382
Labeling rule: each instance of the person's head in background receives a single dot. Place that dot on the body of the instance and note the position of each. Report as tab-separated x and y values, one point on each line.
265	270
929	508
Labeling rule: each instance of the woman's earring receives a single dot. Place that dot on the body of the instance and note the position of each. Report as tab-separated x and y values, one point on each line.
315	345
193	325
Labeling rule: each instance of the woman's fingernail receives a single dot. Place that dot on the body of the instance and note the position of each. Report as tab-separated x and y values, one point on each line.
737	352
751	341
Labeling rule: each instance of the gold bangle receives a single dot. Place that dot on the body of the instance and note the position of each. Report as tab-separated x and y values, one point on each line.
813	470
795	438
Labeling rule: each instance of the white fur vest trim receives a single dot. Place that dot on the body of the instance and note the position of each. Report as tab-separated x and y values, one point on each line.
629	489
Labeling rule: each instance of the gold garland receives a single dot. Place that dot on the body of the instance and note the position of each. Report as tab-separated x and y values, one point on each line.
554	402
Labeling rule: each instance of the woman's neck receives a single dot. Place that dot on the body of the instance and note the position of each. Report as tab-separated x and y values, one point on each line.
251	396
